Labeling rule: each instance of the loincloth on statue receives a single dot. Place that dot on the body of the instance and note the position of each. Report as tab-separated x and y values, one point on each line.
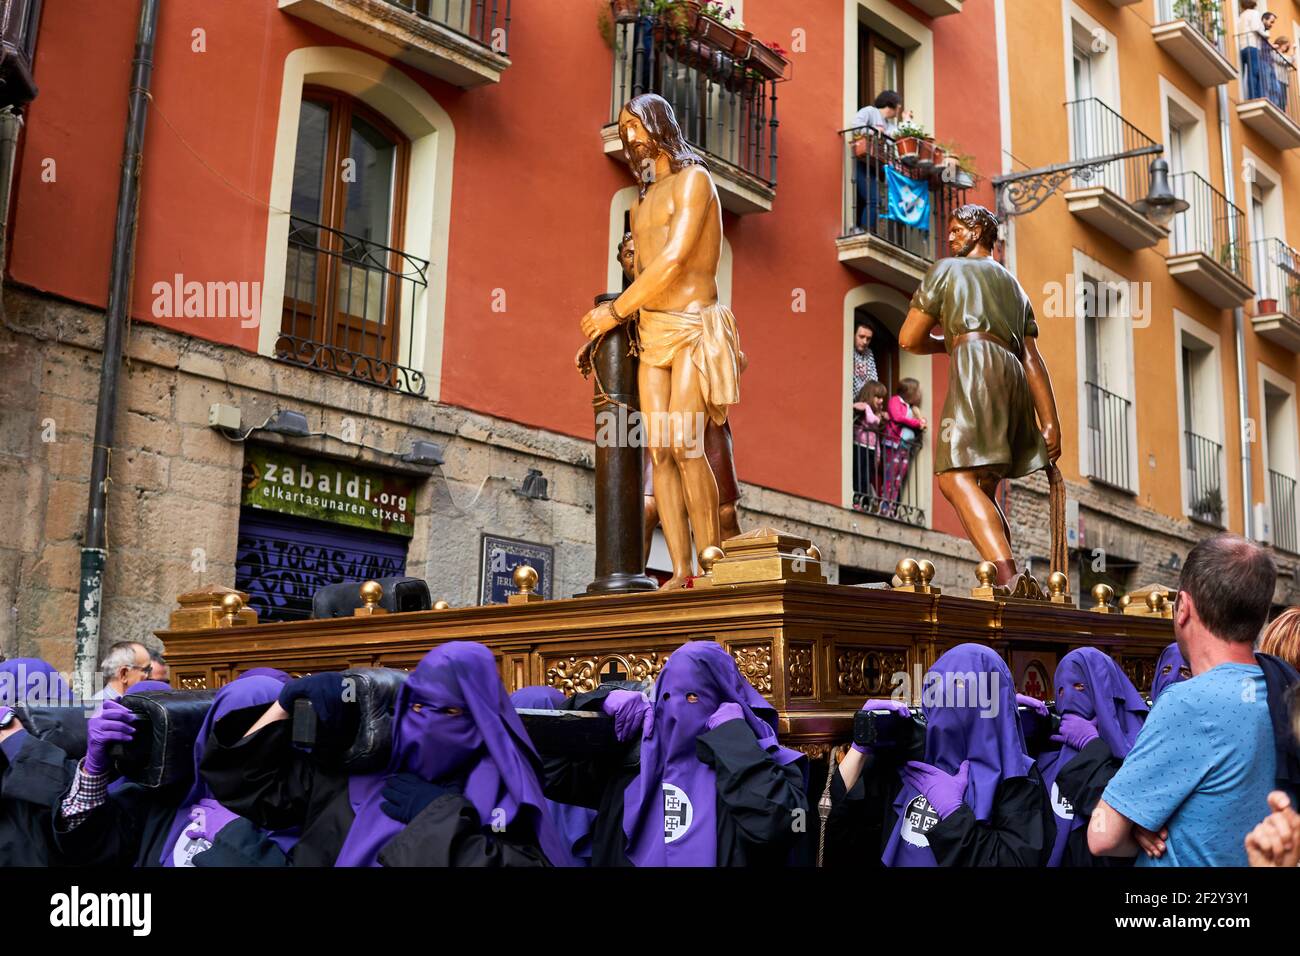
713	343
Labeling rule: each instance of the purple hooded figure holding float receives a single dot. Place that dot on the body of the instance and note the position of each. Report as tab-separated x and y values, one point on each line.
462	787
1101	714
974	798
701	779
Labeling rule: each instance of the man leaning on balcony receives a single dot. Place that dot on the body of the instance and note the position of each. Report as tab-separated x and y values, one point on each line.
880	120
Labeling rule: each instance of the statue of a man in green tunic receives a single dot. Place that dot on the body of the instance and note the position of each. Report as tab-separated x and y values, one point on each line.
999	419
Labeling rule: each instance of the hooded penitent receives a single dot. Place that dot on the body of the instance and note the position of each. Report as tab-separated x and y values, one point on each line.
1089	684
246	691
670	808
574	822
32	682
1170	669
969	701
483	750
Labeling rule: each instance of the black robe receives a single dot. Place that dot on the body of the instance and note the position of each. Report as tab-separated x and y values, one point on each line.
1082	781
274	785
1020	831
758	799
30	783
130	828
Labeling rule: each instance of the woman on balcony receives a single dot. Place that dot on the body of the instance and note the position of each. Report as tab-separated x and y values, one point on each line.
876	122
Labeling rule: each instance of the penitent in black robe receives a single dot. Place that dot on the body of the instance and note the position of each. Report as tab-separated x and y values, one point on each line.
33	775
757	797
274	785
1082	781
1019	832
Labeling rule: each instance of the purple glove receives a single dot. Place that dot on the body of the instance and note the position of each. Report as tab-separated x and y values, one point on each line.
4	713
110	725
728	711
632	713
1024	700
946	792
1076	732
897	706
207	818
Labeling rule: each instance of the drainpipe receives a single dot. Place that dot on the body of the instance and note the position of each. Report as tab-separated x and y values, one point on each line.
1238	325
94	545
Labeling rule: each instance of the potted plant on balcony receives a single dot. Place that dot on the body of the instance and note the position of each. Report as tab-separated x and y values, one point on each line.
624	11
1266	307
958	167
744	40
770	59
711	27
908	140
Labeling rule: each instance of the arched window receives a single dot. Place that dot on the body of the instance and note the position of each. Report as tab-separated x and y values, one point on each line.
346	276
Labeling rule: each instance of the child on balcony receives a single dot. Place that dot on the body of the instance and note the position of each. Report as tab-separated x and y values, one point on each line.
902	436
869	418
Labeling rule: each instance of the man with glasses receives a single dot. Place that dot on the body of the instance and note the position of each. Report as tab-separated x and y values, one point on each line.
126	664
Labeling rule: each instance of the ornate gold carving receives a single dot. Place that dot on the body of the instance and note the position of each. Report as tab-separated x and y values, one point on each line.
862	672
577	675
755	663
1141	671
194	683
799	678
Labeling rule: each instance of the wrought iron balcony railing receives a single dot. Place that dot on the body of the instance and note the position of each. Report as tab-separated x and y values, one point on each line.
1277	275
345	299
1282	494
1108	437
1096	131
724	108
1205	17
883	483
1268	75
1204	491
870	160
1211	225
484	21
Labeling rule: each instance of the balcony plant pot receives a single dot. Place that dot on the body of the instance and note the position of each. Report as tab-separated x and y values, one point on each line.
963	179
767	61
714	34
1266	307
907	147
741	45
860	147
624	11
924	161
683	15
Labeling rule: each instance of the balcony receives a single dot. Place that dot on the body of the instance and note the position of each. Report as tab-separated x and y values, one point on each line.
345	299
1270	100
938	8
1108	437
879	240
1204	492
1191	31
725	105
883	484
1286	535
1104	198
461	41
1277	308
1204	252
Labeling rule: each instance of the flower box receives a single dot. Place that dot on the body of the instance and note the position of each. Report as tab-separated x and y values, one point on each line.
767	61
624	11
715	34
741	45
908	147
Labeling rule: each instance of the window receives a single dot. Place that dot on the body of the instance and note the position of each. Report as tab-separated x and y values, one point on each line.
880	66
1201	415
1281	456
345	278
1106	414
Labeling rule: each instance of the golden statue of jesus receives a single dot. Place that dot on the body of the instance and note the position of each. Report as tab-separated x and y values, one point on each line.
689	369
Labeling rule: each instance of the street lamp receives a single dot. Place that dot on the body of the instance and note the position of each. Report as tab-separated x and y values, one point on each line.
1160	205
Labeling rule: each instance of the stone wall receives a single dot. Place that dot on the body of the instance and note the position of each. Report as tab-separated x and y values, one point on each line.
174	498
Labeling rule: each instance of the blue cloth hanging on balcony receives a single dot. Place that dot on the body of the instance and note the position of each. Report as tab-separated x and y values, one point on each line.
909	200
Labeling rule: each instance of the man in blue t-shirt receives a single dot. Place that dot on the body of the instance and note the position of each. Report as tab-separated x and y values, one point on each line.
1195	782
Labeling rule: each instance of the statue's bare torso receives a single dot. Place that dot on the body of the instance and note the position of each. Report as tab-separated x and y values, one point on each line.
653	218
